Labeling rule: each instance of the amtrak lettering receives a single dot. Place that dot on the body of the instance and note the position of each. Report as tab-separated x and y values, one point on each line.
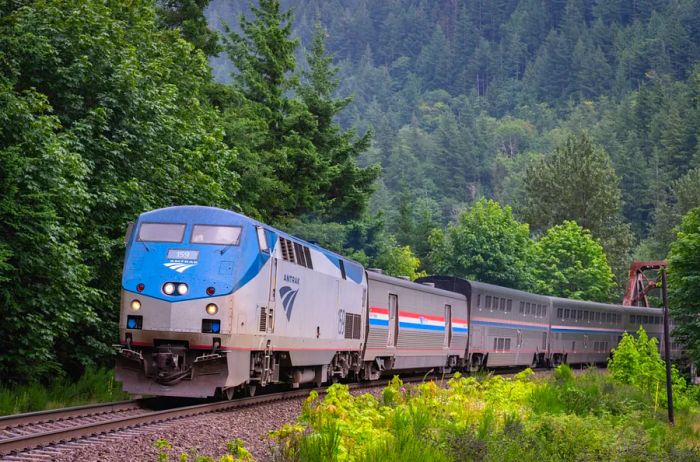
292	279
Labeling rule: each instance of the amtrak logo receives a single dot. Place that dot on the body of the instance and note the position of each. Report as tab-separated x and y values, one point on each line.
288	296
179	266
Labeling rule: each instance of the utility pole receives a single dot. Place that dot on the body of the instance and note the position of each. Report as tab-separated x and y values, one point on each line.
667	348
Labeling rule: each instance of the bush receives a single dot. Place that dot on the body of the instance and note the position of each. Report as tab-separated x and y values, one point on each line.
636	361
588	416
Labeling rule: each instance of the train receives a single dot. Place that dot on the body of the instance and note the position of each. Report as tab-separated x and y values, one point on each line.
214	303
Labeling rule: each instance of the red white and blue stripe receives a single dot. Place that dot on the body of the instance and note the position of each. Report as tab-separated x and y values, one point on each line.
379	317
523	325
586	330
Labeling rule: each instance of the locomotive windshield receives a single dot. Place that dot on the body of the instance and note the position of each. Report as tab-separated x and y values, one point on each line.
221	235
161	232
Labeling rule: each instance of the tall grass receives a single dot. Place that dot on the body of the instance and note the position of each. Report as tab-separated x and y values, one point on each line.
586	417
95	386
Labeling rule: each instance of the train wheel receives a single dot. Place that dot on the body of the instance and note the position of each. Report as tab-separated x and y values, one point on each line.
250	390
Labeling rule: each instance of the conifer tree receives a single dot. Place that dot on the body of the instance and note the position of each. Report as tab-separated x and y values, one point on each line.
578	182
278	165
348	186
188	16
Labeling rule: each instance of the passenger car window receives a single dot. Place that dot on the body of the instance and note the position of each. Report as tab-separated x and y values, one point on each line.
161	232
219	235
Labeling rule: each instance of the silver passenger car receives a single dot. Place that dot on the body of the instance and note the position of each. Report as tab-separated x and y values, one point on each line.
413	326
584	332
508	327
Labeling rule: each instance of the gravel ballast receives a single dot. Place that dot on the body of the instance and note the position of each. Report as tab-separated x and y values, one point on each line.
206	434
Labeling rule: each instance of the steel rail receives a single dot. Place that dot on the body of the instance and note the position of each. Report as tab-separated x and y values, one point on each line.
25	442
53	415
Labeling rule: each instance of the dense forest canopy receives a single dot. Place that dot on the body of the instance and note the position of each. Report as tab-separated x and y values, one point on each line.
461	95
416	136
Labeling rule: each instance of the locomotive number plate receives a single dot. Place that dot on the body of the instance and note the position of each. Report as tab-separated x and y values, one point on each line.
179	254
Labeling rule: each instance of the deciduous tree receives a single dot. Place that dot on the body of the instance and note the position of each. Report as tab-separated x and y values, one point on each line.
486	244
569	263
684	283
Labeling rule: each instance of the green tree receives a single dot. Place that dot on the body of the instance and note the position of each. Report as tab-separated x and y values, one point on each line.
348	187
578	182
188	17
295	158
398	260
684	283
685	195
129	110
636	361
44	291
275	162
486	244
569	263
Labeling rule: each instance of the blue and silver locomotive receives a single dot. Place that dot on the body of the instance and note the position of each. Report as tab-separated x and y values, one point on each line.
213	300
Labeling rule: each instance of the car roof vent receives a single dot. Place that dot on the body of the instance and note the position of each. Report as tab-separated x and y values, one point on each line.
376	270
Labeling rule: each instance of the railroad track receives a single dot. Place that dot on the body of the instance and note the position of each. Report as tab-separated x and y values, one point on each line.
25	432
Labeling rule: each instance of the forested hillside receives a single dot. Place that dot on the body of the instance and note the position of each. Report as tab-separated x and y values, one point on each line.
463	95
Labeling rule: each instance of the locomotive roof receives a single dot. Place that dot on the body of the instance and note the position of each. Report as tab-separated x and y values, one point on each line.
211	214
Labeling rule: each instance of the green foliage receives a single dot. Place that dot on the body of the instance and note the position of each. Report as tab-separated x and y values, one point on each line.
236	452
188	17
94	386
43	278
578	182
587	416
569	263
636	361
685	195
114	113
398	260
486	244
104	117
348	186
523	75
684	284
294	158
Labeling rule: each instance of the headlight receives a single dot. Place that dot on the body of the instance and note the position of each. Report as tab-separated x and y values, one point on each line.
169	288
182	289
135	305
212	309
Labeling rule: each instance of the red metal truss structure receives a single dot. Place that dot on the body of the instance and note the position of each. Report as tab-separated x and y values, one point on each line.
643	277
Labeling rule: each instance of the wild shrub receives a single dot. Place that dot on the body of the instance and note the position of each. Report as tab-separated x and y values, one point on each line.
584	417
636	361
